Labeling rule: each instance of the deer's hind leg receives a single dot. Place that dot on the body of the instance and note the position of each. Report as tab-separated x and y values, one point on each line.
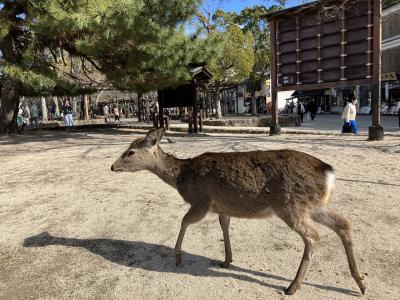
224	222
195	214
302	224
342	227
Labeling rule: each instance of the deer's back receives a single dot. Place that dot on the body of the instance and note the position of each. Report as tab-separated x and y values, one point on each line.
249	184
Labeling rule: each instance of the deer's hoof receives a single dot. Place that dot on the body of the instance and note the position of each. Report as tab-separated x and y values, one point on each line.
225	264
290	290
360	282
361	285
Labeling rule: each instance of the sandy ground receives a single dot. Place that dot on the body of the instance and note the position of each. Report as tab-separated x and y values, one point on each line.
72	229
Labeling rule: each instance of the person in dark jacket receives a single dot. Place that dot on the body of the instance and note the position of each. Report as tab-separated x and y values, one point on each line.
313	108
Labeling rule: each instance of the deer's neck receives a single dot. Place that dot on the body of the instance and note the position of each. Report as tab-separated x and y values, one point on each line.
167	167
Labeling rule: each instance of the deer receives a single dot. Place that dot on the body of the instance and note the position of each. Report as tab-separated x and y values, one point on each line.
292	185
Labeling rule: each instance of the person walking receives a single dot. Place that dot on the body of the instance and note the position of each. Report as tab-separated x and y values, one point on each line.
116	113
22	122
106	113
67	110
313	108
349	114
301	110
34	115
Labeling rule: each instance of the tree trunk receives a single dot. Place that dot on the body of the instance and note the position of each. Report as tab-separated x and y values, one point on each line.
74	106
9	106
90	105
85	107
218	113
140	107
44	109
57	110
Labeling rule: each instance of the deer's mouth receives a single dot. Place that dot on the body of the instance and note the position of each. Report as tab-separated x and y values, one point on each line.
115	169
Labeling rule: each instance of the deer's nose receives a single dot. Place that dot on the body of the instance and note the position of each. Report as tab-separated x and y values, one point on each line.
112	167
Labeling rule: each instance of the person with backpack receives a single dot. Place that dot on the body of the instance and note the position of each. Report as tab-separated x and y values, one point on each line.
34	115
313	108
301	110
22	121
67	110
349	116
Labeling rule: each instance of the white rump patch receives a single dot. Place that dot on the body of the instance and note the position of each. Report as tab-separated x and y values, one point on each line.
330	184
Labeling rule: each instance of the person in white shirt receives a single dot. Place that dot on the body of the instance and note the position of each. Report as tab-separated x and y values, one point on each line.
106	113
350	112
301	110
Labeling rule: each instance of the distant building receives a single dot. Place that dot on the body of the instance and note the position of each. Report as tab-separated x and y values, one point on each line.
332	100
391	53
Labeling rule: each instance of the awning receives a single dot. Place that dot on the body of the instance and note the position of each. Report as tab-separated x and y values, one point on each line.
299	94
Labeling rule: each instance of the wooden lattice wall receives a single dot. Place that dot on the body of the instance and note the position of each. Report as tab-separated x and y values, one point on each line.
316	46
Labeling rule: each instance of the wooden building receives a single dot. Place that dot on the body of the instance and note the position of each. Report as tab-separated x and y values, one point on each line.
327	44
391	53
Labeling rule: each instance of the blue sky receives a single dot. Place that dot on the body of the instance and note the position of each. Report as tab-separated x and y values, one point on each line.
238	5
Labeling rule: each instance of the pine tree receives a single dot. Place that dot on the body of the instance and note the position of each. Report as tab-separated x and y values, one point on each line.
137	44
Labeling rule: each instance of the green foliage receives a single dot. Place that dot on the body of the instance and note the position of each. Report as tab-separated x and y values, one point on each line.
138	44
387	3
235	61
28	78
3	27
250	21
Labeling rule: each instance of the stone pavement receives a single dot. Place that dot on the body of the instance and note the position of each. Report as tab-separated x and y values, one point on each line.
333	124
328	124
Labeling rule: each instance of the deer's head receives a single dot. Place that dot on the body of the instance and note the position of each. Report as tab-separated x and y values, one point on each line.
141	153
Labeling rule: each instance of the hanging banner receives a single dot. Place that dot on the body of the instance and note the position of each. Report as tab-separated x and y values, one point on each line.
391	76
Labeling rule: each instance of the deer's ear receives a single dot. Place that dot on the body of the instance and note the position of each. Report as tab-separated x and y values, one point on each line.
151	137
160	134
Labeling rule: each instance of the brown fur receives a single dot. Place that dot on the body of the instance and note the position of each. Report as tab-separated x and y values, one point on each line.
288	183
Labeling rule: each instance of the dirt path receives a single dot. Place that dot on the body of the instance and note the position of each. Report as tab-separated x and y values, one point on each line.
72	229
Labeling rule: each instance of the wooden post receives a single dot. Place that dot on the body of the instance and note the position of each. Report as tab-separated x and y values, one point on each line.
161	108
370	39
166	118
298	80
319	60
194	111
201	121
375	132
237	99
190	119
275	129
343	44
204	106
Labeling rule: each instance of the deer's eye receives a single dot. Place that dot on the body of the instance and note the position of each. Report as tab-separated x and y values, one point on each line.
131	152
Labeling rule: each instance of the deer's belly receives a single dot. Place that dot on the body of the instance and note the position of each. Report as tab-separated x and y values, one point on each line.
242	210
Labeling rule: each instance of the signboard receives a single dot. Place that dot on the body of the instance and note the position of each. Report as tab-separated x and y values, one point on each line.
389	76
182	96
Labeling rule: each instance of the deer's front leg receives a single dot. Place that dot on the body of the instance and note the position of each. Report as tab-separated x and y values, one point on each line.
195	214
224	222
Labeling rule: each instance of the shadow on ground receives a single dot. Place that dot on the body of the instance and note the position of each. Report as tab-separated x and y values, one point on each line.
160	258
